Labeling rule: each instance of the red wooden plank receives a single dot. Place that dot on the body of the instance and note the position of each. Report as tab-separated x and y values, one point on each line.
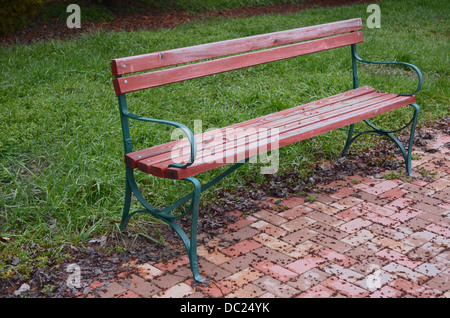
144	62
283	122
133	158
296	135
133	83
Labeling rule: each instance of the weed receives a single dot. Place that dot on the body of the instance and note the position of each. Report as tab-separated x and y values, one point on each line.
392	175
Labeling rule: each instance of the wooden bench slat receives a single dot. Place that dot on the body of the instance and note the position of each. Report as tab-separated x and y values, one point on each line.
133	83
283	122
144	62
303	133
133	158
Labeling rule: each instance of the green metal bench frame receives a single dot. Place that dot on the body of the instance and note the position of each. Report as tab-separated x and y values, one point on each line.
190	242
378	131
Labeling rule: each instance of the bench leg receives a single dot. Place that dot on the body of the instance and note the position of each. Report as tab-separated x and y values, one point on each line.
190	243
349	140
407	155
126	205
389	133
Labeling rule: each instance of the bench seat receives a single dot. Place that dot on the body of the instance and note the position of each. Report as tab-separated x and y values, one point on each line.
243	140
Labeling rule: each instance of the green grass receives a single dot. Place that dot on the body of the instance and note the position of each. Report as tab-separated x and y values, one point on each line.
203	5
61	170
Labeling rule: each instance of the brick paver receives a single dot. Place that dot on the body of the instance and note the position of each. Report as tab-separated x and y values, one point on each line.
395	230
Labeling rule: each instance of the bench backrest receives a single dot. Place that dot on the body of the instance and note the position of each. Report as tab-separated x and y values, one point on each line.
277	45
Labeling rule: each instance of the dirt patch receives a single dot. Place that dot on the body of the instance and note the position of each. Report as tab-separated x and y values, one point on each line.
150	18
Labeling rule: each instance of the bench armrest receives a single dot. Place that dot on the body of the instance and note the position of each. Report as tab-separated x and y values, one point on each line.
185	129
415	68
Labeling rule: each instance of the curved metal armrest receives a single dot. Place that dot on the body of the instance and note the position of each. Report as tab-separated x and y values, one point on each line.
185	129
415	68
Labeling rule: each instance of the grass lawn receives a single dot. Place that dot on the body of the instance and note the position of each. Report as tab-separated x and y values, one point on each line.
61	169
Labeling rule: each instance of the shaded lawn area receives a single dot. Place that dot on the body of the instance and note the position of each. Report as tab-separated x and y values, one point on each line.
61	169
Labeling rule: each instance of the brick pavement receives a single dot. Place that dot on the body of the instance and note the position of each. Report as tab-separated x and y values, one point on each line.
372	238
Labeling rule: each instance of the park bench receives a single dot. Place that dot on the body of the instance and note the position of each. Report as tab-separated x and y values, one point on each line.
183	159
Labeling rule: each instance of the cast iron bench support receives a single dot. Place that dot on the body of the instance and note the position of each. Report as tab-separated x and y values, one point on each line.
382	132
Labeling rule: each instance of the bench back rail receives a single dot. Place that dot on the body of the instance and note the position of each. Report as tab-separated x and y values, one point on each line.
277	45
